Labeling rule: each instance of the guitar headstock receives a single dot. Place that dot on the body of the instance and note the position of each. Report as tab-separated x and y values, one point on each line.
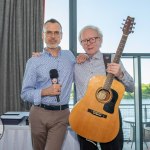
128	26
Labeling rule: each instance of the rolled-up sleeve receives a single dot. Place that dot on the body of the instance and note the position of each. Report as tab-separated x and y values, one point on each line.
29	91
127	80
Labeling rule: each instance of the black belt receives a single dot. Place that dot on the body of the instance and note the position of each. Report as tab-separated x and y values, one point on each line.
53	107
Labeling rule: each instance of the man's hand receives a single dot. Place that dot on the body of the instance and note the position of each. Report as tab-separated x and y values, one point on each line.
54	89
115	69
81	58
36	54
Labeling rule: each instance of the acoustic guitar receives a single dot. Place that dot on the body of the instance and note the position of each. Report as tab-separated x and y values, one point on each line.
96	115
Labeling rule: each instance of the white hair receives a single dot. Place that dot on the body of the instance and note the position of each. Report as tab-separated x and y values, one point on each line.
93	28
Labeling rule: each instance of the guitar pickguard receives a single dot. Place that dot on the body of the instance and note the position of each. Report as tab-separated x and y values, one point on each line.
109	107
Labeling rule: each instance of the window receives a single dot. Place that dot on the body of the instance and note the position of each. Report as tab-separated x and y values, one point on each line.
59	9
108	16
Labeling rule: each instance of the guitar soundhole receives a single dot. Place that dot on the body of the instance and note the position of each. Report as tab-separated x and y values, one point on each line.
103	95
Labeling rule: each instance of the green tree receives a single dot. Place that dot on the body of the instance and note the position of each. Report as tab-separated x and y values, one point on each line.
145	92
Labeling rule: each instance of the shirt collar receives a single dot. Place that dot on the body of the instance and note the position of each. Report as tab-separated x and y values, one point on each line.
98	55
47	53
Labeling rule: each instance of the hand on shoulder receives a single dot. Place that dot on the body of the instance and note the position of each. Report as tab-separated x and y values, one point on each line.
36	54
81	58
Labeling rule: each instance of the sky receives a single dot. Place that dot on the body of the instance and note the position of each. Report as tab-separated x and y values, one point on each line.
108	16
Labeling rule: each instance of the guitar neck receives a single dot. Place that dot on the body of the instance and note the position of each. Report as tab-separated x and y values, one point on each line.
116	59
108	81
127	29
120	49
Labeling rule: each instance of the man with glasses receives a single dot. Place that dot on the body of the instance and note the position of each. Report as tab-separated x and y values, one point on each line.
49	117
91	38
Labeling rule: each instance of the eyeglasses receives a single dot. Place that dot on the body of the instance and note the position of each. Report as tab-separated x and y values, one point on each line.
91	40
51	33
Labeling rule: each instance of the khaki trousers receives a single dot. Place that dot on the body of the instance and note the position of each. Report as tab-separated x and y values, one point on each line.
48	128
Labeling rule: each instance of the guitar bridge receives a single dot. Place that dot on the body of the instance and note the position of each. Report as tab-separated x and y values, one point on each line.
96	113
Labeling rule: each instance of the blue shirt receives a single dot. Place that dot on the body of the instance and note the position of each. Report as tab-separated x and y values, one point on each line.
36	77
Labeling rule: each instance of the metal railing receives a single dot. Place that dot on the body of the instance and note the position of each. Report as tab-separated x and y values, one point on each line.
127	110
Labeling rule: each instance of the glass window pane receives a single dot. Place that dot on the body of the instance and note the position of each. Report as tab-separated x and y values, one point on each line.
127	110
145	87
59	9
108	16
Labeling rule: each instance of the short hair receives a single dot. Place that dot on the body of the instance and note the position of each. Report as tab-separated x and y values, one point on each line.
93	28
52	21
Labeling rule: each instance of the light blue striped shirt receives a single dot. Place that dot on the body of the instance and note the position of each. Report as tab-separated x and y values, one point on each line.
36	77
95	66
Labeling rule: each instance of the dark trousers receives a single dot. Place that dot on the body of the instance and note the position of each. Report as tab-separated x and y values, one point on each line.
116	144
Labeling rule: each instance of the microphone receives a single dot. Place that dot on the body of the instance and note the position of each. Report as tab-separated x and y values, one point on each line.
54	78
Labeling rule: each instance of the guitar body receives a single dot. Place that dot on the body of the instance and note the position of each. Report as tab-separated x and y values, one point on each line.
94	119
